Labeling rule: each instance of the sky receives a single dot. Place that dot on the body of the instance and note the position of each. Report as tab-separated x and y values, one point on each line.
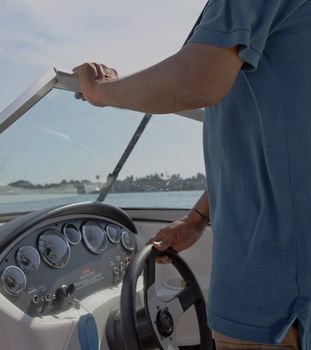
127	35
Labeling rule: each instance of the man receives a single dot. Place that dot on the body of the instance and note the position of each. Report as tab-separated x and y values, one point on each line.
249	63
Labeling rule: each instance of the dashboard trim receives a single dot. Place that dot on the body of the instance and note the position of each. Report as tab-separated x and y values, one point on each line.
52	221
12	231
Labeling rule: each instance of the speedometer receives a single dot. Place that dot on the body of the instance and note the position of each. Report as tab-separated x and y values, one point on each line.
54	248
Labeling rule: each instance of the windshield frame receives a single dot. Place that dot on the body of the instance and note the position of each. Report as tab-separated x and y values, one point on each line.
55	79
52	79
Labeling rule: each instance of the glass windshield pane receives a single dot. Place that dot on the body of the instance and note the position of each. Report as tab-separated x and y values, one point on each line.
165	170
61	151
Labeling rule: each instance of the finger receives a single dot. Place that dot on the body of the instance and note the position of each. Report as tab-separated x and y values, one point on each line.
108	74
86	71
79	96
162	242
156	241
166	239
157	245
80	69
114	73
76	71
156	238
111	73
100	70
163	260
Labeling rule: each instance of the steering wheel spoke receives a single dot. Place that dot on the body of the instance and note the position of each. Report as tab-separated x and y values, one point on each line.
188	297
175	308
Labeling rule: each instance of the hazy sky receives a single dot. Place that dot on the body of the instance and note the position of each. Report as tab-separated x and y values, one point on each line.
127	35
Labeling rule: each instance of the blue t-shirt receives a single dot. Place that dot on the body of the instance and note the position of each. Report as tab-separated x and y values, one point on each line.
257	144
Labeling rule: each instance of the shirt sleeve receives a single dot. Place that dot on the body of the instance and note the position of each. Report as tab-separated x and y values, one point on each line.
243	23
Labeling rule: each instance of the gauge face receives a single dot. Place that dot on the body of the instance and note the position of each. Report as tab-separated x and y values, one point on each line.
28	259
113	233
128	240
13	280
54	248
72	234
94	237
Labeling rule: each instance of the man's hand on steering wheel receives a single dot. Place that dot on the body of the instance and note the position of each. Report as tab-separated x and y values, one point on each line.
179	235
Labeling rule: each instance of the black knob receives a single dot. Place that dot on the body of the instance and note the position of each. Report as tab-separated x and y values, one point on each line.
70	289
64	291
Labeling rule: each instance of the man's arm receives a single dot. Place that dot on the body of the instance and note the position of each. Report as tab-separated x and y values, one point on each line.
183	233
197	76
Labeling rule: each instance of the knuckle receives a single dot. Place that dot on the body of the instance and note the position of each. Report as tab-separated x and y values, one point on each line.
160	233
114	72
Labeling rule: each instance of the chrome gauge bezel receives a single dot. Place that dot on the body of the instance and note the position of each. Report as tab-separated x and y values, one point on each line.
87	242
56	233
4	285
35	259
125	245
111	238
65	227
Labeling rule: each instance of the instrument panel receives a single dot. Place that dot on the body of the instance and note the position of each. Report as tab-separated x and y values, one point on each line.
63	260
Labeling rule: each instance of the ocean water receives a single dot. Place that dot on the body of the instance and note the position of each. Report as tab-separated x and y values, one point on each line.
27	202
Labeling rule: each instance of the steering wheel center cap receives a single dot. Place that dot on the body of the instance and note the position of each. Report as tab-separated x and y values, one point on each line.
165	323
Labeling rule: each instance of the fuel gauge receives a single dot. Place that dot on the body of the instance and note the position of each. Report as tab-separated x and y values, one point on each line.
28	259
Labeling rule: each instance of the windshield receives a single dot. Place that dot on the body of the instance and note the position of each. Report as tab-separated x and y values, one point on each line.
62	150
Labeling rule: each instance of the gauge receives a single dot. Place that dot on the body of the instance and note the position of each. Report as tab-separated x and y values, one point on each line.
13	280
128	240
72	234
28	259
94	237
113	233
54	248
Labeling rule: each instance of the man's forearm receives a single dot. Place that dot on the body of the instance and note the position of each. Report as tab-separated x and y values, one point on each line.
163	88
197	76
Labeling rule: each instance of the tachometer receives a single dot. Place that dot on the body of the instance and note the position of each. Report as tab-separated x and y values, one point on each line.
94	237
28	259
13	280
54	248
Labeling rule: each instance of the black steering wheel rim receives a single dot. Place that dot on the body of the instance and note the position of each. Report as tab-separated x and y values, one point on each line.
145	260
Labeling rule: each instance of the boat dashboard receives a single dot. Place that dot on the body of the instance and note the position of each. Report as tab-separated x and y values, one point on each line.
61	271
65	257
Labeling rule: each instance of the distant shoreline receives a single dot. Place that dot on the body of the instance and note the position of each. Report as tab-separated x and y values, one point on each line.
149	183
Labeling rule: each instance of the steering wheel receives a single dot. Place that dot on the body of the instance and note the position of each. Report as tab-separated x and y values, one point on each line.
162	316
